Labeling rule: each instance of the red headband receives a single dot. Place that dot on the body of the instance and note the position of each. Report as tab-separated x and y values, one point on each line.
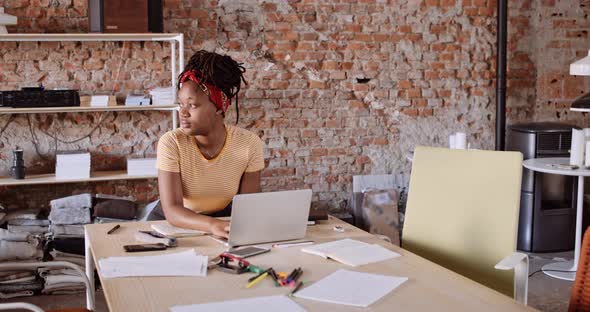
215	95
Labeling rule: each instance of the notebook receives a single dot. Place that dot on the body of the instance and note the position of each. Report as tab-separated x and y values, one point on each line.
168	229
351	288
351	252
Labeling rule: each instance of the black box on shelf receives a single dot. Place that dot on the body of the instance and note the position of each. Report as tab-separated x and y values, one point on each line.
38	97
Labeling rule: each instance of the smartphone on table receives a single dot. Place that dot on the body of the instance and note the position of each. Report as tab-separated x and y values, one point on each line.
248	251
144	247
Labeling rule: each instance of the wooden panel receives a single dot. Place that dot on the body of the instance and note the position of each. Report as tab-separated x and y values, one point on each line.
430	287
125	16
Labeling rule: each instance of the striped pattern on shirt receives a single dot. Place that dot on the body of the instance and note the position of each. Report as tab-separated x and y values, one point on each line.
209	185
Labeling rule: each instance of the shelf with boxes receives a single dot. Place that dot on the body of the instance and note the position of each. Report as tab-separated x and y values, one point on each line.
78	109
176	66
50	178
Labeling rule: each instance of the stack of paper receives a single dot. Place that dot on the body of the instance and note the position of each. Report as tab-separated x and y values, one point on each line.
137	100
351	252
186	263
351	288
162	96
270	303
72	165
168	229
141	166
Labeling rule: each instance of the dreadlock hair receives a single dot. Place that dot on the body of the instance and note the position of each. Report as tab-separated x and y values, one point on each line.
219	70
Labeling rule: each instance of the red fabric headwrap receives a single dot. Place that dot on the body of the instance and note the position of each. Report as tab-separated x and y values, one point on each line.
215	95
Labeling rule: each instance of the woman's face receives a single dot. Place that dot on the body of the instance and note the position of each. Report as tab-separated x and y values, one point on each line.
197	113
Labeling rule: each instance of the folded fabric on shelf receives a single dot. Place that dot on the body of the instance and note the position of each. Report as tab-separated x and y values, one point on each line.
63	283
13	275
115	208
24	293
12	250
74	201
38	222
80	215
17	287
64	256
32	229
46	271
29	214
14	237
67	230
63	280
19	280
17	294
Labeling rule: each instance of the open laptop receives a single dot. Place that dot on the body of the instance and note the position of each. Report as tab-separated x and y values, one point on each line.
268	217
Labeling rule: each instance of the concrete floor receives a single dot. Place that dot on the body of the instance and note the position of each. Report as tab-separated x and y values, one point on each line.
545	293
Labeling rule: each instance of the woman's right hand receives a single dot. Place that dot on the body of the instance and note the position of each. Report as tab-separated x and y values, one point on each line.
219	228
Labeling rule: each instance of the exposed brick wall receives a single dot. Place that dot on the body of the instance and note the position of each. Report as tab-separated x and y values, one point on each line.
336	88
561	30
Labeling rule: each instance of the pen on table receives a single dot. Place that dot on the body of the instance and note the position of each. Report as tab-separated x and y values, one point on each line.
273	274
111	231
296	288
258	279
292	276
296	277
283	245
288	278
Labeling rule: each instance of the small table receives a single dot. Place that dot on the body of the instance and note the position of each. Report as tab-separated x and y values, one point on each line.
548	165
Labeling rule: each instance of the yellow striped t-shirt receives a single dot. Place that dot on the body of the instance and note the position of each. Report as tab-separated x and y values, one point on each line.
209	185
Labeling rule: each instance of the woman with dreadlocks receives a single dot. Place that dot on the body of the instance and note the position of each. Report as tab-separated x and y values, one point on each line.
205	162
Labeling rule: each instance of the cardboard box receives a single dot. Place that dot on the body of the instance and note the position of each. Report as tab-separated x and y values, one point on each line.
98	100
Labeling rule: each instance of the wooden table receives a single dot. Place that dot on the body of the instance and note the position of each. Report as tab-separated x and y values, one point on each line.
430	287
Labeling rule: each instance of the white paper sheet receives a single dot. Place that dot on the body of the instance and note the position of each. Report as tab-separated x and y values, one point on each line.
351	288
351	252
185	263
258	304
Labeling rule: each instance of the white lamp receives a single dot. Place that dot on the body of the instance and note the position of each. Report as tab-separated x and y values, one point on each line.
6	19
581	68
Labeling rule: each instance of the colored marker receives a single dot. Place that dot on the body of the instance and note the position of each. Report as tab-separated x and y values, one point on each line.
274	277
258	279
296	288
257	276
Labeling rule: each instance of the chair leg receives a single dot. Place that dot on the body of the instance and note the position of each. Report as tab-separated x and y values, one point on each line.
521	281
519	262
